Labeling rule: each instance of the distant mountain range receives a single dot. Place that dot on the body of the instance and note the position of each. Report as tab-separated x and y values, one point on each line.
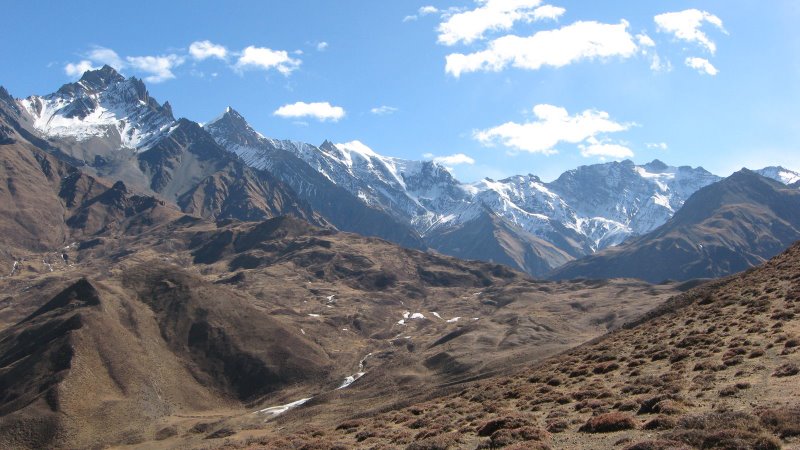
724	228
113	128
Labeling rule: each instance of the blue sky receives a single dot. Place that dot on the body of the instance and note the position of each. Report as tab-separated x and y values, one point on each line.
512	86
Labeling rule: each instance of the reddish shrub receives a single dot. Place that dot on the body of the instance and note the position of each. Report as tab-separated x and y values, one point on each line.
557	425
440	442
609	422
784	422
505	437
509	422
658	445
786	370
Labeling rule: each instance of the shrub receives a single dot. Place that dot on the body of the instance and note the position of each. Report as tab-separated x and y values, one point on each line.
786	370
784	422
505	437
509	422
728	391
609	422
661	423
557	425
554	381
605	367
659	444
440	442
669	407
349	426
727	438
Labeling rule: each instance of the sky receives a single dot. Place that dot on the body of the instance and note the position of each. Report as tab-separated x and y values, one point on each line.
489	88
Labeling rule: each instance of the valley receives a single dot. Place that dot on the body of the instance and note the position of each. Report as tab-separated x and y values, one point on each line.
171	284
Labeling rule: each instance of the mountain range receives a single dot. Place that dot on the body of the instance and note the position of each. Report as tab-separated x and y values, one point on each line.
125	321
727	227
176	285
111	127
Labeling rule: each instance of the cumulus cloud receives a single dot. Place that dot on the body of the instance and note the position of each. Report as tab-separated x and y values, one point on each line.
555	48
425	10
201	50
422	11
603	150
322	111
383	110
645	41
548	12
159	67
702	65
686	25
451	160
266	59
75	70
322	46
492	15
103	55
553	126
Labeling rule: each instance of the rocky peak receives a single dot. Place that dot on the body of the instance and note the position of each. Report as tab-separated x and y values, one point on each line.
97	80
103	76
232	128
656	165
329	146
7	100
167	108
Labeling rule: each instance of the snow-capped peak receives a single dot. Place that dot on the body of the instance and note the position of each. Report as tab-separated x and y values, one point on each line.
102	105
596	206
781	174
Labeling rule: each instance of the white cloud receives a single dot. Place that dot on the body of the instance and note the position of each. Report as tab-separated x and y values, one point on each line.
554	125
201	50
493	15
77	69
425	10
452	160
265	58
702	65
645	40
321	111
357	147
383	110
160	67
685	25
603	150
106	56
657	145
322	46
658	64
555	48
548	12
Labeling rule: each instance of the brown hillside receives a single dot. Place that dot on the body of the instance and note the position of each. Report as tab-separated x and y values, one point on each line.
716	367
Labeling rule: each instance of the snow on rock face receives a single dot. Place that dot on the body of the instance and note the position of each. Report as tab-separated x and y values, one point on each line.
101	104
781	174
412	191
637	199
278	410
598	205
